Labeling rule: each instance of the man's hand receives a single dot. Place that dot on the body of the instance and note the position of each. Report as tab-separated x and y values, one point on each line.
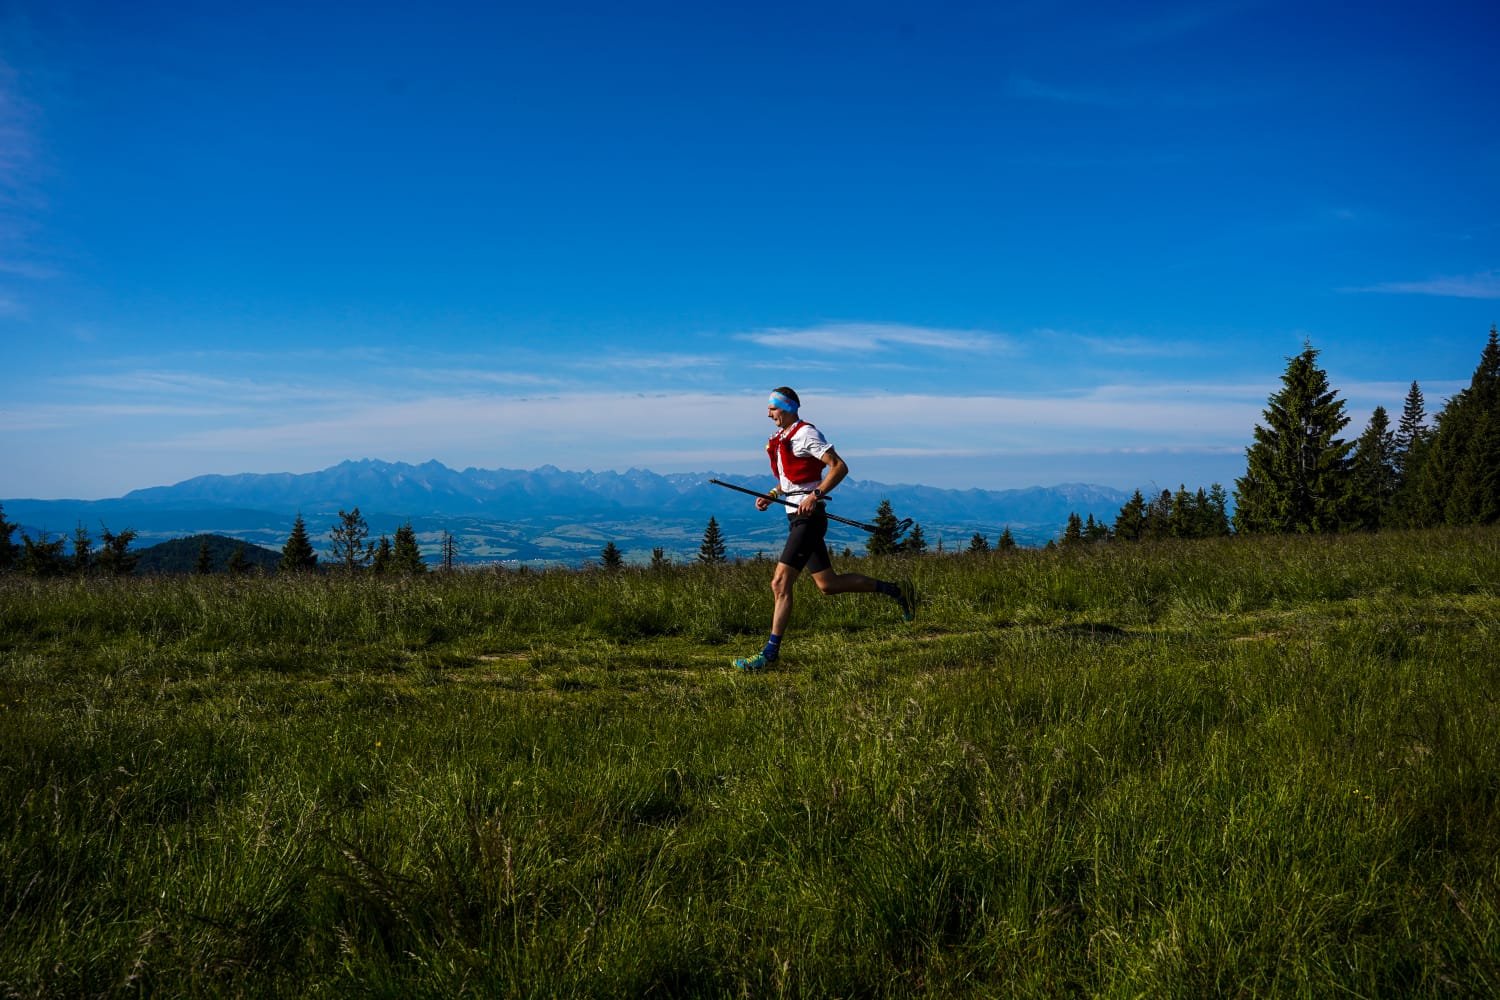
761	503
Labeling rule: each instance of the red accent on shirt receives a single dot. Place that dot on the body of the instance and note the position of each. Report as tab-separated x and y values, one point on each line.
797	468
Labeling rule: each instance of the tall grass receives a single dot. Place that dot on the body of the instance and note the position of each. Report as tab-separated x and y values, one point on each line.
1249	767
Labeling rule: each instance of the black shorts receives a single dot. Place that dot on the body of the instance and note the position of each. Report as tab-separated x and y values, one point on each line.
805	548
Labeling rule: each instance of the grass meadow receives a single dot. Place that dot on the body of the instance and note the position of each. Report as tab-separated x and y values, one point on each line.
1243	767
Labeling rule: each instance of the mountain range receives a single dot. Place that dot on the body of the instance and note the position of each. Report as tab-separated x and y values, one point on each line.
547	516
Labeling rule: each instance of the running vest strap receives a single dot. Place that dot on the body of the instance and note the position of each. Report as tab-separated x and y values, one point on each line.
797	468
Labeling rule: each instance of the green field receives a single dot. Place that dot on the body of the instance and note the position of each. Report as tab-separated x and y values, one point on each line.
1243	767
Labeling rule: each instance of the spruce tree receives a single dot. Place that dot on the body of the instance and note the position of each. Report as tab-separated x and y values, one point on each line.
297	555
1218	510
1412	436
9	551
1073	533
1411	430
348	536
205	562
115	557
1474	497
1456	479
83	550
1182	520
1130	523
883	539
1007	540
979	543
659	560
1158	516
381	564
914	544
1373	471
406	555
40	557
610	556
712	550
237	564
1297	472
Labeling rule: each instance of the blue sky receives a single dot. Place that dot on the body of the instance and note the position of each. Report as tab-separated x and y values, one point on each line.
992	245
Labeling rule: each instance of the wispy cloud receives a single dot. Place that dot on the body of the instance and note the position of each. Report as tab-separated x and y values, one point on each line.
182	432
239	391
1484	285
1115	414
690	363
1140	347
838	337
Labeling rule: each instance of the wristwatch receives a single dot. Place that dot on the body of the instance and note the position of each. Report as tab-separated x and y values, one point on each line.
818	492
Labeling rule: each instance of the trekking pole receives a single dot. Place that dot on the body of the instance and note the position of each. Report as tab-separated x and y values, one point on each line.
901	525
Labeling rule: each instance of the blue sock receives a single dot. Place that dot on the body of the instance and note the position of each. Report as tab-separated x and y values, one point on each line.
773	648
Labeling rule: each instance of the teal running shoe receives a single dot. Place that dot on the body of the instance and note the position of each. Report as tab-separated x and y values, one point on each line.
752	663
907	599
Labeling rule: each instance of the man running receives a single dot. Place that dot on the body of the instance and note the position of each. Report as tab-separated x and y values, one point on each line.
807	469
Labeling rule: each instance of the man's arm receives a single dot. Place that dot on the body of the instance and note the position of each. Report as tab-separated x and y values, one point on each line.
834	471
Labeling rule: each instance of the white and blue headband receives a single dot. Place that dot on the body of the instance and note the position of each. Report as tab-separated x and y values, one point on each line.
782	402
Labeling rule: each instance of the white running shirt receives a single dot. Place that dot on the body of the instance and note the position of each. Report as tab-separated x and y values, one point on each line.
807	442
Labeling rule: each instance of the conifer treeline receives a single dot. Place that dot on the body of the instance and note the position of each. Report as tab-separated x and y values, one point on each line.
46	557
352	551
1302	476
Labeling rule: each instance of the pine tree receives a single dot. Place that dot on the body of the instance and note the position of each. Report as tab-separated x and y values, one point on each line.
1412	437
659	560
1218	511
1158	522
979	543
1456	479
1073	533
1007	540
883	539
10	553
1373	469
115	557
237	564
1297	472
40	557
382	563
205	563
1182	519
1475	494
611	557
915	542
1130	524
1411	430
83	550
297	555
712	550
348	537
406	555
